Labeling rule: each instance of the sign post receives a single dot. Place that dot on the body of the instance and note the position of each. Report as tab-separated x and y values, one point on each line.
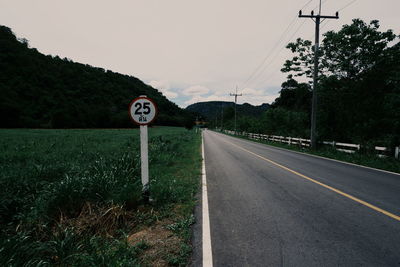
143	111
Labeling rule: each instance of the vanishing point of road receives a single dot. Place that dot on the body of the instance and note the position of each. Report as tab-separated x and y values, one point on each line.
274	207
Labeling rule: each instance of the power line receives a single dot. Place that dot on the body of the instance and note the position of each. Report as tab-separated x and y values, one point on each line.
306	5
276	54
349	4
340	9
235	95
317	18
274	47
323	25
317	6
269	54
290	39
280	50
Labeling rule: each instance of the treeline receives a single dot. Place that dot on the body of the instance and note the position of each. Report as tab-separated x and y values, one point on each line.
39	91
358	89
213	110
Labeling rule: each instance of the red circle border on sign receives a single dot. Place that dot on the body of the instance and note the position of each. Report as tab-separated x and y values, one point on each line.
133	101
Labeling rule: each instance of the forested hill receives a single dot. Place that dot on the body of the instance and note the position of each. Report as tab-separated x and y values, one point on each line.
49	92
211	109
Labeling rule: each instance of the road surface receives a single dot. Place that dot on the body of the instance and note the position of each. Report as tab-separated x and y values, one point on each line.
273	207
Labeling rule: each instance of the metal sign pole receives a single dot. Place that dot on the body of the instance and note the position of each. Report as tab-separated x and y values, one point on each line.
143	111
144	155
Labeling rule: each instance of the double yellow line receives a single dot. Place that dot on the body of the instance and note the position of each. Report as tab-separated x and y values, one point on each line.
391	215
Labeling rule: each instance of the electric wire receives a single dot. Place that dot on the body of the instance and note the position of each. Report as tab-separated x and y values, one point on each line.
288	28
278	53
317	6
323	25
290	39
269	54
306	4
349	4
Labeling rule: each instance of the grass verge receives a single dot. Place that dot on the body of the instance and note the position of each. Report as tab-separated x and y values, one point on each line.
368	160
73	197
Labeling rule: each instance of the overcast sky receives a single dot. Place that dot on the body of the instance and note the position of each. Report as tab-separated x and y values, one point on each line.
191	50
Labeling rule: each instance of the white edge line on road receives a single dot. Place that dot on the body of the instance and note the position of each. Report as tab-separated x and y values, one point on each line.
207	251
312	155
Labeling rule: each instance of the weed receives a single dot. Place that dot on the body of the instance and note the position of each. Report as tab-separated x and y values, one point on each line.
69	195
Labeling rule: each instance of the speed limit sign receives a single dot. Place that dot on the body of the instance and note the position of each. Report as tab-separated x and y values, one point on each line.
142	110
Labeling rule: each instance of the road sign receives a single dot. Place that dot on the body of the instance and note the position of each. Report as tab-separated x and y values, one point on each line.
142	110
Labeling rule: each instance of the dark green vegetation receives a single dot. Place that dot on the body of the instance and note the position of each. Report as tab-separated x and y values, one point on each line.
364	159
73	197
213	109
359	89
39	91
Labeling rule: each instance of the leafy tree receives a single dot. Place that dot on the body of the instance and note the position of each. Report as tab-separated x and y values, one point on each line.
355	49
50	92
358	83
294	96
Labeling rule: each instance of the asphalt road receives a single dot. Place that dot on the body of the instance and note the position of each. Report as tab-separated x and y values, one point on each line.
273	207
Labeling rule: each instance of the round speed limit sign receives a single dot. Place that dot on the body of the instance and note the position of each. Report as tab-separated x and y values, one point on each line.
142	110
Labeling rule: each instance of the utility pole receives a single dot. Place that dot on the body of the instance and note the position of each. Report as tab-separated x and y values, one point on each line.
315	75
235	95
222	116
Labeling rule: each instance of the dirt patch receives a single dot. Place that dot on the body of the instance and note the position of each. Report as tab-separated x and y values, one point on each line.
162	243
105	220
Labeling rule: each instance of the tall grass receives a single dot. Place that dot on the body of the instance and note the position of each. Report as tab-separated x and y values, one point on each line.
62	188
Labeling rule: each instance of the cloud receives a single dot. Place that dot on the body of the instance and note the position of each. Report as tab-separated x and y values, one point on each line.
252	92
196	90
164	87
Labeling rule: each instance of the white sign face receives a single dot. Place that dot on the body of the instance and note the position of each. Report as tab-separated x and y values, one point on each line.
142	110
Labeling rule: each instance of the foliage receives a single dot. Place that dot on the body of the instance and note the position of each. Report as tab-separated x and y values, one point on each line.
41	91
67	200
280	121
294	96
358	90
353	50
212	110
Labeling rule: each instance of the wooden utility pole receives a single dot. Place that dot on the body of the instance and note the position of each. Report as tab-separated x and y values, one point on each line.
222	116
235	95
317	19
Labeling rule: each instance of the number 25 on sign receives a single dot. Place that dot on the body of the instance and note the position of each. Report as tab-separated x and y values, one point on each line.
143	111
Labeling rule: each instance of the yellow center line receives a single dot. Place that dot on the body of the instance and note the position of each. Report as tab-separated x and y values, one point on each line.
391	215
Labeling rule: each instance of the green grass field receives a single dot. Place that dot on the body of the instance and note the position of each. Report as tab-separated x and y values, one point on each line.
73	197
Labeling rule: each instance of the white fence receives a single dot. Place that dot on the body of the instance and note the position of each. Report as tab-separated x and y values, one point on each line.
344	147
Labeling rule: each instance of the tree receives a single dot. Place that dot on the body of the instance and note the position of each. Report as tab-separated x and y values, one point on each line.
355	49
358	83
45	91
347	53
294	96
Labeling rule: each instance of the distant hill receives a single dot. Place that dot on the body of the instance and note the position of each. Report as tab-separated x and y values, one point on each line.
210	109
49	92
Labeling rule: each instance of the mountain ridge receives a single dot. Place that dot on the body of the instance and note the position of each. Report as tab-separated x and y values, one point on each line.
42	91
211	109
